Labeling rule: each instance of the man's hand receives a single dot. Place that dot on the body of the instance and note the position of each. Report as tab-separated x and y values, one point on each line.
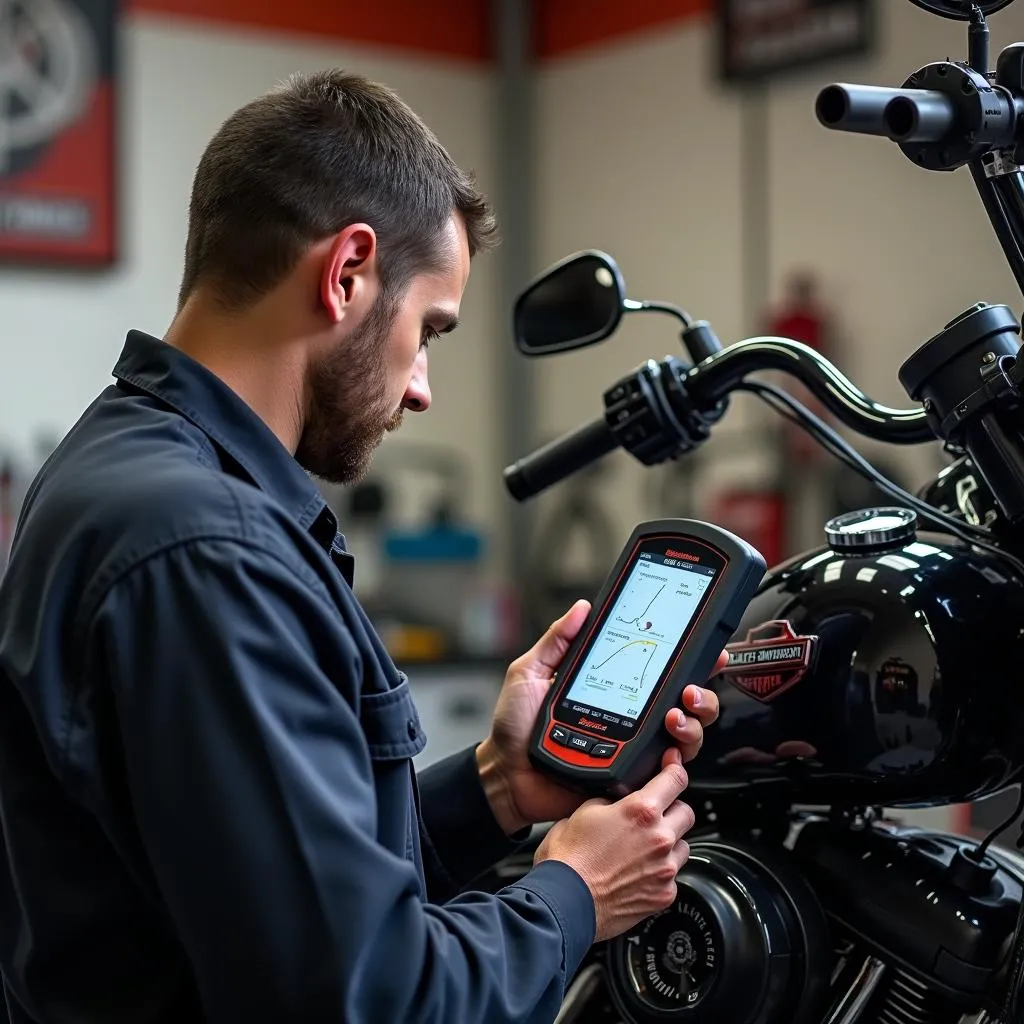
518	794
629	852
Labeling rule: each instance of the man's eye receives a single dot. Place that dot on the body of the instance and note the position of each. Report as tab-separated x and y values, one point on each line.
429	335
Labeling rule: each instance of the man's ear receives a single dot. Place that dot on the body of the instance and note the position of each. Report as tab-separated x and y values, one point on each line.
348	280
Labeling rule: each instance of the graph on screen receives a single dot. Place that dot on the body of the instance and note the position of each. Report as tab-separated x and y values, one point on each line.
638	604
630	653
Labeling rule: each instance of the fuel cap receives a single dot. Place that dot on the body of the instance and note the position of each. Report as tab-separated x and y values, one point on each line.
871	528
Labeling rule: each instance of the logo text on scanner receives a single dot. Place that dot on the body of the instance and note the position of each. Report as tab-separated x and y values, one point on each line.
685	555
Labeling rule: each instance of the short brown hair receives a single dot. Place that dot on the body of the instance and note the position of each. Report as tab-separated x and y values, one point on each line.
300	163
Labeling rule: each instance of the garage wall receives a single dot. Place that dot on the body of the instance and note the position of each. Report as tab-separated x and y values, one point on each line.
638	157
639	153
181	75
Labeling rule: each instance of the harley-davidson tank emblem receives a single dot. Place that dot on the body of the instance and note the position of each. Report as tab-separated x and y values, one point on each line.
770	660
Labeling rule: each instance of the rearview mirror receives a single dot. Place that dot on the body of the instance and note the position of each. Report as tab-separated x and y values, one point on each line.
960	10
576	302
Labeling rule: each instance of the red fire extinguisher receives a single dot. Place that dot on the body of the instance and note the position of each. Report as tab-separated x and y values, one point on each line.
764	515
756	516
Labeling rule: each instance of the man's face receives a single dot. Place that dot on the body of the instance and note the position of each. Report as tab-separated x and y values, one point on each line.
360	389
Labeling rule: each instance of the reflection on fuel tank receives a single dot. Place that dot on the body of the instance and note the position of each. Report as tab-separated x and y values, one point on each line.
896	689
906	728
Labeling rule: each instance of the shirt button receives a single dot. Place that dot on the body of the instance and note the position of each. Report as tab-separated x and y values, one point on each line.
413	731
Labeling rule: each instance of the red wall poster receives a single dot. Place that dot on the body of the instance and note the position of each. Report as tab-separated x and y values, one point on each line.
58	132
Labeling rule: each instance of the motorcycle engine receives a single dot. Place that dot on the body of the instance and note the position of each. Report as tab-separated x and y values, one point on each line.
847	921
746	940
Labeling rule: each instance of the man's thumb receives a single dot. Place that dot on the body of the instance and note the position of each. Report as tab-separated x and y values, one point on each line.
550	649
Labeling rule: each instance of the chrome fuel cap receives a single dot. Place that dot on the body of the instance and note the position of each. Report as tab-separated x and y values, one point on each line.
871	528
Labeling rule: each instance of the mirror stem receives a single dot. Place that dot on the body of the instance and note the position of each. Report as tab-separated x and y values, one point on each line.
977	41
632	306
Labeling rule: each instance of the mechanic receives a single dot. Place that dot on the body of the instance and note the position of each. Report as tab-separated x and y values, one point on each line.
207	800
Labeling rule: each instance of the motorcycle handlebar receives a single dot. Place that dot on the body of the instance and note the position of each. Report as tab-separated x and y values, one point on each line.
903	115
705	385
713	379
558	459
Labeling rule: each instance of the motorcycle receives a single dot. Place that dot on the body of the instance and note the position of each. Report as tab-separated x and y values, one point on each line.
881	670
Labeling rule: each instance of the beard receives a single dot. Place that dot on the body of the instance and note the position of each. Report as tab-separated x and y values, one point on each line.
348	412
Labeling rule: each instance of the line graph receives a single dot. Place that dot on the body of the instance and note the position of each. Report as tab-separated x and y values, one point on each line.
617	672
634	646
648	647
644	604
642	617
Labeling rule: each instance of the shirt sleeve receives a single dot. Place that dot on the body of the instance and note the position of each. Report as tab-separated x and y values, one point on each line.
253	790
453	805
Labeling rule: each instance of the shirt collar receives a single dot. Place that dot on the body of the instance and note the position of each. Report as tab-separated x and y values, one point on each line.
167	373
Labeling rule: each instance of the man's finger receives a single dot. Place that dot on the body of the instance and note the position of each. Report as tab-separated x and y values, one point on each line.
666	786
680	818
702	704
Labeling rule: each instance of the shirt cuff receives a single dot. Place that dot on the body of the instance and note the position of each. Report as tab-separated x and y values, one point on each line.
458	817
571	901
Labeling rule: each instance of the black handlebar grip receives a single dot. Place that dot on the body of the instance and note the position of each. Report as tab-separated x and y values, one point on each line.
919	115
855	108
559	459
903	115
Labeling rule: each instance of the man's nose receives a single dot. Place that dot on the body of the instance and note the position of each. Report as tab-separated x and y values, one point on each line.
417	394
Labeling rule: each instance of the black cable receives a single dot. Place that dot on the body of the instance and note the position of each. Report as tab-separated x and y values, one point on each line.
796	412
983	846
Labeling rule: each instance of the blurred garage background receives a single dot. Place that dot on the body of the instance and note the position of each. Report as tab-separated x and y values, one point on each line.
668	133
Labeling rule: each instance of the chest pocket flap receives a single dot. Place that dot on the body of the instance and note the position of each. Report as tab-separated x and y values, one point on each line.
390	723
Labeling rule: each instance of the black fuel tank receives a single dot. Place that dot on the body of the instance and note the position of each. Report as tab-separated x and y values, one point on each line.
887	672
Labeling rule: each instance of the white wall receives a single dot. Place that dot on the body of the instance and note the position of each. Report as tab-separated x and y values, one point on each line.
61	332
640	155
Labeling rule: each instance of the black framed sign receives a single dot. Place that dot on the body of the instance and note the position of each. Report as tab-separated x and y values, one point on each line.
763	39
58	132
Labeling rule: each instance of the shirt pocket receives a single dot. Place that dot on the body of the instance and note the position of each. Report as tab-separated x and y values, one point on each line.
391	723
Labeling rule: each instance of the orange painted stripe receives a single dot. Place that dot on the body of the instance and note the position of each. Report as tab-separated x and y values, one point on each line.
451	28
564	26
459	29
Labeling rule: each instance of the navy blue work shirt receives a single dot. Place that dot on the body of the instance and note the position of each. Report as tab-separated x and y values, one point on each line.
208	810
